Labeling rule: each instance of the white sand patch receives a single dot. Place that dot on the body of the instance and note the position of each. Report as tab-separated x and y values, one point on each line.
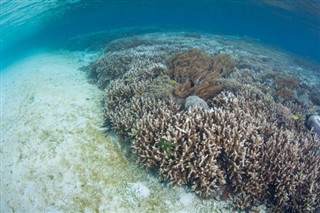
186	199
46	105
140	190
55	158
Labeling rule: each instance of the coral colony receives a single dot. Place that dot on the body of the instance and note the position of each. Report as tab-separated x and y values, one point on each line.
214	118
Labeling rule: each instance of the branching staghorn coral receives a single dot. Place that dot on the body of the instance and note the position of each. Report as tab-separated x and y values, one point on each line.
193	159
235	145
270	165
292	168
245	144
124	99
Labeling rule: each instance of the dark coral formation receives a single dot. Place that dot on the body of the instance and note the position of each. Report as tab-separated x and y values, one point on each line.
108	67
118	61
196	72
285	86
246	146
267	163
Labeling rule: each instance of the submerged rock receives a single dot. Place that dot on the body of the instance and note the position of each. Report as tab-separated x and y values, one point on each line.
140	190
195	101
313	123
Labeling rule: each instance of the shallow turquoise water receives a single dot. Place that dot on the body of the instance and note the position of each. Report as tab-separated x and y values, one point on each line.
55	154
292	26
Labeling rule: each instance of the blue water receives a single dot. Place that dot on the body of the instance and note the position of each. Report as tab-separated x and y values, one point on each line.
293	26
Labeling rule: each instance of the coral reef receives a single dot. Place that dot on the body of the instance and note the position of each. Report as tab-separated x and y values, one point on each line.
267	163
285	86
122	97
116	61
197	72
108	67
192	159
237	146
125	44
249	144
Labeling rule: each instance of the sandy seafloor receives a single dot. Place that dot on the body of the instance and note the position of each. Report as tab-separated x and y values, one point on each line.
54	156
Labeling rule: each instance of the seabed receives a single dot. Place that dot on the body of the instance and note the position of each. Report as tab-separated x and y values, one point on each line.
55	155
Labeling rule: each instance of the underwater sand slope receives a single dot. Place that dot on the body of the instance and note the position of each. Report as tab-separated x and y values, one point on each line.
55	157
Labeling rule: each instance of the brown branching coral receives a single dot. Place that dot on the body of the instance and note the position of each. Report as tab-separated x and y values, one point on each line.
192	159
236	146
282	86
197	72
285	86
270	164
293	163
123	107
245	143
223	64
